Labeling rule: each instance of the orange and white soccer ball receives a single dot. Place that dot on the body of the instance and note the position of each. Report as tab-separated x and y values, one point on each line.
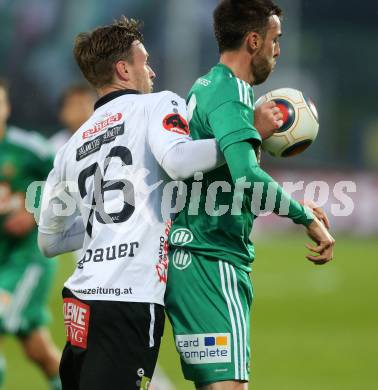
300	123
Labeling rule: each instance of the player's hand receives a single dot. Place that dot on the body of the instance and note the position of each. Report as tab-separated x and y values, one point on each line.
268	119
323	251
318	212
19	223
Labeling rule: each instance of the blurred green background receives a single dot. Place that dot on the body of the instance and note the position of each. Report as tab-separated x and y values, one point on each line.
313	328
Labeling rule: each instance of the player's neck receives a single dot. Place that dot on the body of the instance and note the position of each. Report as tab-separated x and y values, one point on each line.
116	86
239	64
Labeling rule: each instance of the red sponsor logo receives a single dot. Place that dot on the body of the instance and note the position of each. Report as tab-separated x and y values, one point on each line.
162	265
99	126
176	123
76	321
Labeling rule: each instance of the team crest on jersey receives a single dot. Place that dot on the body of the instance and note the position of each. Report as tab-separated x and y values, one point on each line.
176	123
181	237
181	259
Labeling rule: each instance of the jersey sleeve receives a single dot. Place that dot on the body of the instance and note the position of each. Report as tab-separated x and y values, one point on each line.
232	122
242	163
168	125
54	192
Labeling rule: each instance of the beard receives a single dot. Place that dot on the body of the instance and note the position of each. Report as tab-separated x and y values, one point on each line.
261	69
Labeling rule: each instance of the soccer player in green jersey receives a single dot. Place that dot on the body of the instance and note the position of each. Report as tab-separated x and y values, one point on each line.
25	275
209	292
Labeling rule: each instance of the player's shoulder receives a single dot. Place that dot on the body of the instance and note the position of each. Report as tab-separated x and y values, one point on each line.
164	97
218	86
31	141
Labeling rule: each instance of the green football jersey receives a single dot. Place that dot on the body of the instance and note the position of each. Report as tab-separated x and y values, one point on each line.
220	106
24	157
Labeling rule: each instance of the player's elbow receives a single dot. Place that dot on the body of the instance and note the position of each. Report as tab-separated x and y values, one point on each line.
174	169
44	245
176	174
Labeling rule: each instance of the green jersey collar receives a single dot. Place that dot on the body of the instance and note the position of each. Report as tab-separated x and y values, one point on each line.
225	69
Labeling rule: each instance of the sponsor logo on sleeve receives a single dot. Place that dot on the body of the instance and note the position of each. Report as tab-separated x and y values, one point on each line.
76	321
176	124
204	348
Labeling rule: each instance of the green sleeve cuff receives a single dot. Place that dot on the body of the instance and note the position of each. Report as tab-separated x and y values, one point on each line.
239	136
300	214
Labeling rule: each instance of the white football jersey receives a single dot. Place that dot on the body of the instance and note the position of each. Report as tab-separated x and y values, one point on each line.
111	169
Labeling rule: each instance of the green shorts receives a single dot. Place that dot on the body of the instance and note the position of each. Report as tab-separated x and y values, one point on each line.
25	282
208	304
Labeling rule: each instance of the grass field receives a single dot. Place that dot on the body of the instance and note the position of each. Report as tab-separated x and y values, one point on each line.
313	328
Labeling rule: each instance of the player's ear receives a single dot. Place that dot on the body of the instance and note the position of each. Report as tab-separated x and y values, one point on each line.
253	41
122	70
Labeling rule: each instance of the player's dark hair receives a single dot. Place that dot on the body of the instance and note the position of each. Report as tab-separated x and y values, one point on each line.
97	51
77	89
234	19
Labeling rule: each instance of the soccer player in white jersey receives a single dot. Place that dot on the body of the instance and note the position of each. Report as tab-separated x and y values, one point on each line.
112	168
113	303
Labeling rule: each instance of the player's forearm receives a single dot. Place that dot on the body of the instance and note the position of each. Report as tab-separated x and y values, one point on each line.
242	163
187	158
68	240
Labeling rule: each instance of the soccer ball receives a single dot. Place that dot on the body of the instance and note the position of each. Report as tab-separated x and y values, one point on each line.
300	123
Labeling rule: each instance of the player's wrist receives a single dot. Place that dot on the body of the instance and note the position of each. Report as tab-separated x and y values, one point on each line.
304	217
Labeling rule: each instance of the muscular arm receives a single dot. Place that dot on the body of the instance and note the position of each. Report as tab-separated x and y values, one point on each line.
242	163
187	158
